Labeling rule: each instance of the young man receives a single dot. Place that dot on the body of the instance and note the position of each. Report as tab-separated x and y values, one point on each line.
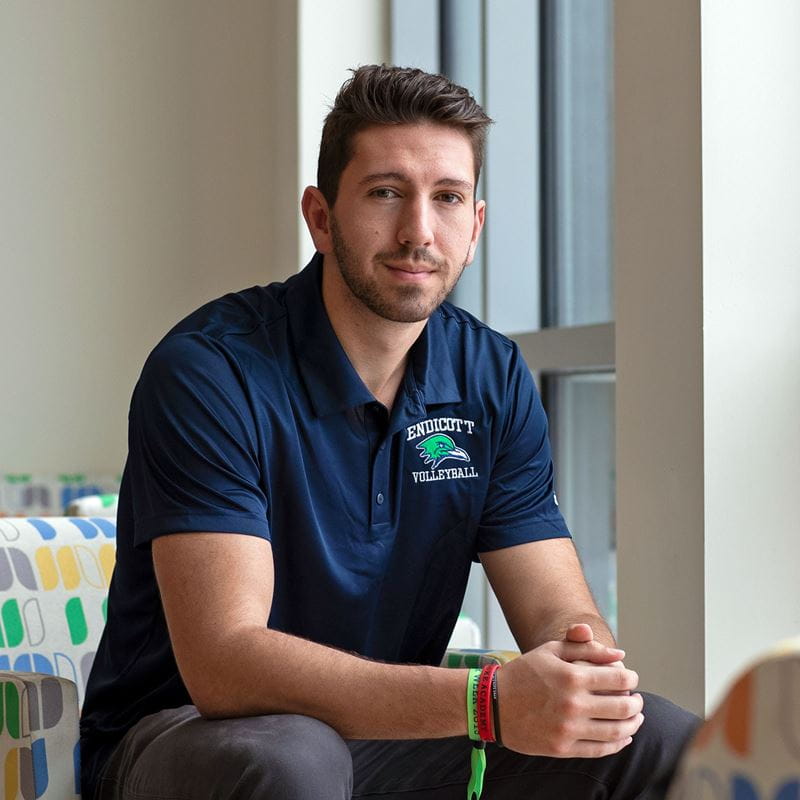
312	467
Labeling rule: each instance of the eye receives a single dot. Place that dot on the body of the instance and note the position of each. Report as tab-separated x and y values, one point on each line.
383	193
451	198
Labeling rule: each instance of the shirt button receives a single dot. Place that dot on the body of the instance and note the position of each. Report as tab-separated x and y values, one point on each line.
379	499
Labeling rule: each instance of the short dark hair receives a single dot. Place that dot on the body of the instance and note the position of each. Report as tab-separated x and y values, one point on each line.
383	95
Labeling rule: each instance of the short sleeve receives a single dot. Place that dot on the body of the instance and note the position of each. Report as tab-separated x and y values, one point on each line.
193	458
520	504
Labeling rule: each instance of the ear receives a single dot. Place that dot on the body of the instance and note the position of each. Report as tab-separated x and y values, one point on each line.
477	227
317	216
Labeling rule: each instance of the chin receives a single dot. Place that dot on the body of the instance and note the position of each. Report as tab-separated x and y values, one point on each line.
405	312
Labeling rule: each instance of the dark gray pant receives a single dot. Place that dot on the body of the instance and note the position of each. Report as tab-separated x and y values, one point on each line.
177	755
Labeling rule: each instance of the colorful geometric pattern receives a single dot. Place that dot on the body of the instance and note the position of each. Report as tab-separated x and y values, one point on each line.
54	578
749	749
38	722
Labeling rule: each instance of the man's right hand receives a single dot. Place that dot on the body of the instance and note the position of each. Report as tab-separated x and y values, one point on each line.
551	706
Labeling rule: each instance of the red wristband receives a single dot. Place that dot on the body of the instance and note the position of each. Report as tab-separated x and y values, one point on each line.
485	722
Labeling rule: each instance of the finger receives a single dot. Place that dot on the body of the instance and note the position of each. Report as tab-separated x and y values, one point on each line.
590	749
579	632
616	664
603	730
595	652
615	707
598	679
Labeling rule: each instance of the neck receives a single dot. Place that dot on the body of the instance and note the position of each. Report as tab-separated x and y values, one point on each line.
377	348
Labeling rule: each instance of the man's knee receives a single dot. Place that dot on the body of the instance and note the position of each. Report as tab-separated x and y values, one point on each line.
176	753
667	727
291	758
652	757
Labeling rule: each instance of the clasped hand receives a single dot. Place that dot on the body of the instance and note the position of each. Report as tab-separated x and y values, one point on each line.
570	698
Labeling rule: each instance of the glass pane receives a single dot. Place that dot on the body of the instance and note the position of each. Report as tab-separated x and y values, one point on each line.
581	412
577	161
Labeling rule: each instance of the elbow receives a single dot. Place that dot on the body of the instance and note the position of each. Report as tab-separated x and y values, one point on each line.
221	686
212	704
225	698
211	711
212	697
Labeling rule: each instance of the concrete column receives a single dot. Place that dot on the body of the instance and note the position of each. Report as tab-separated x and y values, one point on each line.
707	335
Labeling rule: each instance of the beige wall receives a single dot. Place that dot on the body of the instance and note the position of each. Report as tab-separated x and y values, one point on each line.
707	336
751	324
336	36
149	162
659	346
141	166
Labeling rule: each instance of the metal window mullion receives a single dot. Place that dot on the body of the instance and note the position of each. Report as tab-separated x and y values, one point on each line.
512	165
462	49
574	348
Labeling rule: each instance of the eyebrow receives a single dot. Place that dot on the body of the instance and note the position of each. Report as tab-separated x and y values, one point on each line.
401	178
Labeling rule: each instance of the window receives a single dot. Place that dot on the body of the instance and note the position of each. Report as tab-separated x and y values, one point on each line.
544	275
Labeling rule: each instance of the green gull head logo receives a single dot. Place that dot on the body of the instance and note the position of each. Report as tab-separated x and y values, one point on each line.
438	447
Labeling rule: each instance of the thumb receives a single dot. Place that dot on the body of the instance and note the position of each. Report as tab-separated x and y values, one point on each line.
579	632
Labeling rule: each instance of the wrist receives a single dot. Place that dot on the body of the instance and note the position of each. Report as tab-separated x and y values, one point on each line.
482	709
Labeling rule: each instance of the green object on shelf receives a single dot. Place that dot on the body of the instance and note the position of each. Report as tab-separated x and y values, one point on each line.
19	478
74	477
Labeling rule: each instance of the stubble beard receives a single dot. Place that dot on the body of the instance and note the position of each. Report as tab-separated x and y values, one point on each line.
406	303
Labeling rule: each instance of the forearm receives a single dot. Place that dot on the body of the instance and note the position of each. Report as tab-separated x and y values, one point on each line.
273	672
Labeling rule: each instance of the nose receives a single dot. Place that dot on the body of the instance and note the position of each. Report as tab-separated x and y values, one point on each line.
416	224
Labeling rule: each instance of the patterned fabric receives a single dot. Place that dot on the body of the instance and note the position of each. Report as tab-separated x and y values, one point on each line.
54	577
749	749
39	736
473	658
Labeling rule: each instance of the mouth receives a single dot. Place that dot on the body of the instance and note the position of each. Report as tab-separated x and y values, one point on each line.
413	273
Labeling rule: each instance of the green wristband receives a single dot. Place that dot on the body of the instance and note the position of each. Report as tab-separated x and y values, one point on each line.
473	678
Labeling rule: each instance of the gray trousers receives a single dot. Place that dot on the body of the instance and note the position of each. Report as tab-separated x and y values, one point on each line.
177	755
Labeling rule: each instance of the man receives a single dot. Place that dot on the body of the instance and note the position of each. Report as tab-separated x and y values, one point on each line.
328	455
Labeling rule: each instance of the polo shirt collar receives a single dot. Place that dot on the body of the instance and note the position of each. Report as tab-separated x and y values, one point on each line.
331	381
431	365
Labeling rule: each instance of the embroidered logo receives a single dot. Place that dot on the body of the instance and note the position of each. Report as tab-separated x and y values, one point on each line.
439	447
436	446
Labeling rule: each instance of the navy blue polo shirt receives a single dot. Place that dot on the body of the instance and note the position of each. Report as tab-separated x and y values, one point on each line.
249	418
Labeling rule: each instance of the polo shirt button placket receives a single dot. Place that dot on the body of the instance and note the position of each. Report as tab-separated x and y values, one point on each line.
380	482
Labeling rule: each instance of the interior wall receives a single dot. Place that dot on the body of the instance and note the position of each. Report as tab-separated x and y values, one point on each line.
659	345
751	276
148	164
707	180
335	38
